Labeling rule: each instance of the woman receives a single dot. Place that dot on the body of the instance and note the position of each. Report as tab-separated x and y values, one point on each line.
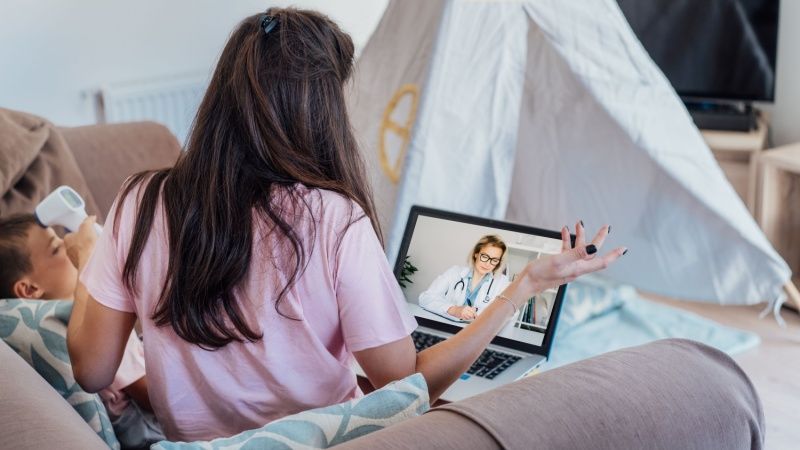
255	264
463	292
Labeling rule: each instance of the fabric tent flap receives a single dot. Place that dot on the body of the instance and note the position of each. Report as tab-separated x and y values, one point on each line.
544	112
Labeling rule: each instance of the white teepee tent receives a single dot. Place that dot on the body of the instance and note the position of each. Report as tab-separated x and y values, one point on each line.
543	112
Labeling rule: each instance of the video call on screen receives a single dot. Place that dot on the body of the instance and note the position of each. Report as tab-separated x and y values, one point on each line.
446	269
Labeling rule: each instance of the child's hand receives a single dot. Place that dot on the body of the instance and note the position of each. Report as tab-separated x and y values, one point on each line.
80	244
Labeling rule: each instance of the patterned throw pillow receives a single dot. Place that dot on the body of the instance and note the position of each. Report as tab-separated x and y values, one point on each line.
36	330
329	426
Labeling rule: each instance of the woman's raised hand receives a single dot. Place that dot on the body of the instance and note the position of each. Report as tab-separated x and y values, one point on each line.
554	270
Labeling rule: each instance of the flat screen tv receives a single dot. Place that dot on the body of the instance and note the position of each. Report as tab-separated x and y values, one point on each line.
710	49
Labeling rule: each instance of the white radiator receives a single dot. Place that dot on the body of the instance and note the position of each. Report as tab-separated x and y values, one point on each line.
172	102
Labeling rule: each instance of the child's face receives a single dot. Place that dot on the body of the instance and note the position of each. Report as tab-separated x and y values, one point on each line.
52	272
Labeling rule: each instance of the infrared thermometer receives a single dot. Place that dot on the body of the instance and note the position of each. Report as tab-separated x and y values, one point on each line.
63	207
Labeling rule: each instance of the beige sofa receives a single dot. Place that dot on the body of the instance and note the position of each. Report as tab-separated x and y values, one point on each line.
669	394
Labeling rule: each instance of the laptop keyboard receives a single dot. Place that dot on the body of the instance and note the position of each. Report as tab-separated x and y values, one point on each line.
490	364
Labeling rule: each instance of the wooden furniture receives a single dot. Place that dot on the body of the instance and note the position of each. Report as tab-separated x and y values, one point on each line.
778	211
737	153
765	181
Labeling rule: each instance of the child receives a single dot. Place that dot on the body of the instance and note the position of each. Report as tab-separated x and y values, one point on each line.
34	265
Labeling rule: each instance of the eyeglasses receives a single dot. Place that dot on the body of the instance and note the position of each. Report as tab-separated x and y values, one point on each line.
486	258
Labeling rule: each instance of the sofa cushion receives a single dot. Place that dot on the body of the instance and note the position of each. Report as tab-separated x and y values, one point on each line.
329	426
672	393
36	330
108	154
34	160
33	415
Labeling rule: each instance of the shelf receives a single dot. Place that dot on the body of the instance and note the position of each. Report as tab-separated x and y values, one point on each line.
737	141
778	192
737	153
785	158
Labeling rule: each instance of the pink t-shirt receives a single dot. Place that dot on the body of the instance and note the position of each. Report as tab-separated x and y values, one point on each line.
347	298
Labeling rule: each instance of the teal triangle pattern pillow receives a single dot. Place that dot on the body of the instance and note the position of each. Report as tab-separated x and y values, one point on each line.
37	330
328	426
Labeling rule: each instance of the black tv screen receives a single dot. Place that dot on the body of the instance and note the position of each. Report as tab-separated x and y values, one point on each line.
710	49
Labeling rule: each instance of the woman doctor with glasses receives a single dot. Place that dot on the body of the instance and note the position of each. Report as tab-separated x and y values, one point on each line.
462	292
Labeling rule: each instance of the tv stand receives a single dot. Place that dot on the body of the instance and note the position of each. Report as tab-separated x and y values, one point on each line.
737	154
712	115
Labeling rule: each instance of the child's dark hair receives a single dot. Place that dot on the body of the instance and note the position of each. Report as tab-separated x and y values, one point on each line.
15	260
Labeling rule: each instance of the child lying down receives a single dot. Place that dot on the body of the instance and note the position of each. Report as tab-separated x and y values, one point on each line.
34	265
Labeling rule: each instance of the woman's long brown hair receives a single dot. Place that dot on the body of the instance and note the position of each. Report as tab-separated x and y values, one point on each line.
274	115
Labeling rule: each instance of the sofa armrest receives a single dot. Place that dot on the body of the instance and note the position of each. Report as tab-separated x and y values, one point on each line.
672	393
33	415
108	154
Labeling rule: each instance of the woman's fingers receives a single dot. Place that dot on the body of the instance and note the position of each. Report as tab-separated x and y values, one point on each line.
585	266
581	250
593	265
571	263
577	261
465	312
579	234
580	239
601	235
566	242
468	313
575	254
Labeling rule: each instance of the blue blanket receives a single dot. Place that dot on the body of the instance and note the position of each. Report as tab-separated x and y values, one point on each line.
599	317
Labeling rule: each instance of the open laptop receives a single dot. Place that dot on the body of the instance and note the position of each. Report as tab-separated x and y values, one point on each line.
435	241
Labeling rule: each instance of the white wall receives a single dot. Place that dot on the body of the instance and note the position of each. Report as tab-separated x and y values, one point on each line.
785	112
55	52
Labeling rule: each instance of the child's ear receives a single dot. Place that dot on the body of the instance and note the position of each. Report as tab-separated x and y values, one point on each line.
25	288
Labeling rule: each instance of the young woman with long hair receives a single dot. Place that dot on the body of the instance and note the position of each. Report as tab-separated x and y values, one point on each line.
255	264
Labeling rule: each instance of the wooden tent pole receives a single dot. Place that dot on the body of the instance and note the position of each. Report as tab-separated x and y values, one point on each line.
793	293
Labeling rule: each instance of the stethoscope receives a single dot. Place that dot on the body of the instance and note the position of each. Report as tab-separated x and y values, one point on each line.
464	286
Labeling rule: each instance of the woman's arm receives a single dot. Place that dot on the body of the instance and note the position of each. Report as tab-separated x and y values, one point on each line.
501	282
138	392
96	334
443	363
434	298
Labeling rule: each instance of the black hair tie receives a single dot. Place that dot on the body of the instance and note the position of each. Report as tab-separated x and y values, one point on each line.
268	23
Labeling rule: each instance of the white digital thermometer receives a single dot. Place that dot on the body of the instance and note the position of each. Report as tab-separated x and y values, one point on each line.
63	207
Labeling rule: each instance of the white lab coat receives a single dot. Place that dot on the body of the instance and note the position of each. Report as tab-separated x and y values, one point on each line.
443	292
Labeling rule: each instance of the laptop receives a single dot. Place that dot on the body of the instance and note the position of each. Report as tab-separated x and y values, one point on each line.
436	241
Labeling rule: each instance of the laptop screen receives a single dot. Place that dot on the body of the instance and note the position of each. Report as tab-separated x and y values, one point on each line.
452	266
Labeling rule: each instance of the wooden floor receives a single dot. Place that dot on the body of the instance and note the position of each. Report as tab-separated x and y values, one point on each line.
773	366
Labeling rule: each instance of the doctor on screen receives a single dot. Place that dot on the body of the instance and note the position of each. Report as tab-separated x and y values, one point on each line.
463	291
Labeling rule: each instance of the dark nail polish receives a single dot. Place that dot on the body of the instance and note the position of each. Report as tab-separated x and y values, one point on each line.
609	228
582	224
626	251
591	249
